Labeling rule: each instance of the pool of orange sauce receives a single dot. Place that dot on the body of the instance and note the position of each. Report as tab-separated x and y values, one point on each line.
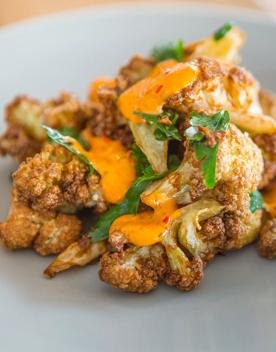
146	228
150	94
113	162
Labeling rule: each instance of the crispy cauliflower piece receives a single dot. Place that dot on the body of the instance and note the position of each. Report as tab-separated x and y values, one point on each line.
55	179
48	233
25	136
134	269
79	253
267	241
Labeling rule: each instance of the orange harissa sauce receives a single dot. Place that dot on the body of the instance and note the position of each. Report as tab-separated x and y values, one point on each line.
97	84
270	200
112	161
150	94
146	228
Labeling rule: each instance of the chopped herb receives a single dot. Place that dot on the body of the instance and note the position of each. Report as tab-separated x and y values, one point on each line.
169	51
72	132
129	205
162	132
222	31
142	162
64	141
209	164
256	201
217	122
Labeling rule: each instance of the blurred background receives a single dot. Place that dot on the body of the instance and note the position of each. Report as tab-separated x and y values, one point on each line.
15	10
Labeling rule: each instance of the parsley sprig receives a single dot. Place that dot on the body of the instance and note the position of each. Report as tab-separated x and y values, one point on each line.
208	154
162	131
62	140
169	51
222	31
256	201
141	161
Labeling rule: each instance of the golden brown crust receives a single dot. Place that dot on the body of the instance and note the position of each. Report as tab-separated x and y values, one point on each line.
16	143
267	242
185	282
136	69
48	233
134	270
55	179
218	86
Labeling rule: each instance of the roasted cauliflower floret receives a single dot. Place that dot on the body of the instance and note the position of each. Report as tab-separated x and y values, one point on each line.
216	219
25	135
134	269
267	241
48	232
55	179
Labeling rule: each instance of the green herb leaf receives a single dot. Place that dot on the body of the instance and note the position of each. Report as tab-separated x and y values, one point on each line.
62	140
162	132
169	51
142	162
209	164
217	122
222	31
256	201
72	132
129	205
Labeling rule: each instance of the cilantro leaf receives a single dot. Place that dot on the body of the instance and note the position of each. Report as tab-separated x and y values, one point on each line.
209	164
62	140
162	132
217	122
129	205
169	51
222	31
72	132
256	201
142	162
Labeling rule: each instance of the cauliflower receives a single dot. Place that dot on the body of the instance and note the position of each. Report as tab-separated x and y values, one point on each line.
56	179
25	136
48	232
214	220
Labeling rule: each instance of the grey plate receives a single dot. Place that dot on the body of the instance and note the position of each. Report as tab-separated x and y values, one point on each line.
234	308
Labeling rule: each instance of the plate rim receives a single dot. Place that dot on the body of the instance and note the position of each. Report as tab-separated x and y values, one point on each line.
254	15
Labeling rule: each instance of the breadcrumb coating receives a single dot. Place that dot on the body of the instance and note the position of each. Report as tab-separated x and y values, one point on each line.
48	232
55	179
134	269
186	282
267	242
218	87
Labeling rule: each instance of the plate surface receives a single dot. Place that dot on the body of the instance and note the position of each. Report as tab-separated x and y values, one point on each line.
234	308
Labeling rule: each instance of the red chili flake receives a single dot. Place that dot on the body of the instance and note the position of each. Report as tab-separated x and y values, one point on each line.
158	89
166	219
